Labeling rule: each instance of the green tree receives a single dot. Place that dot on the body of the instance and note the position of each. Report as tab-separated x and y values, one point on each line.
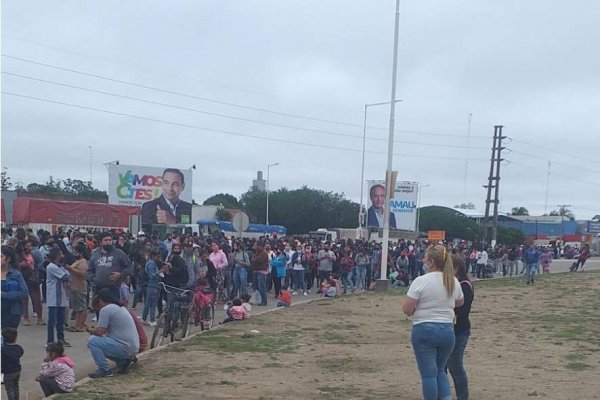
563	211
6	184
223	215
69	187
510	236
223	199
301	210
456	225
519	211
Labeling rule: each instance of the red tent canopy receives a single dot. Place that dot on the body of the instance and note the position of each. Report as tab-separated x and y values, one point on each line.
44	211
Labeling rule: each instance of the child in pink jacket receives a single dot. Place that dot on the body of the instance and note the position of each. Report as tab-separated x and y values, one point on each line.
57	375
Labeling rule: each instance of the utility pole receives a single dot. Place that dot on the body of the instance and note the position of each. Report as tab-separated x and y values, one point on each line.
467	160
547	188
90	147
561	209
494	183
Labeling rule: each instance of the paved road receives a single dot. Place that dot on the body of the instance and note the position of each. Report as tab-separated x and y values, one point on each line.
33	339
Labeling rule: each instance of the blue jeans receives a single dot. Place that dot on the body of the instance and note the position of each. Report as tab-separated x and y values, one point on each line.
103	347
530	269
56	319
456	367
432	344
261	280
347	281
140	291
240	281
361	274
298	279
150	303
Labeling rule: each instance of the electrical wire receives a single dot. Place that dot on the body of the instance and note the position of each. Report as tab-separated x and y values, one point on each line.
231	116
171	92
556	162
225	132
537	146
557	174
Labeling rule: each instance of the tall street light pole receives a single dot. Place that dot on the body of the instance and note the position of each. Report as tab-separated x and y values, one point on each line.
419	207
268	180
361	214
383	282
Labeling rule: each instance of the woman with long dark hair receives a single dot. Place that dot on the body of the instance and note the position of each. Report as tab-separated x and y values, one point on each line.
462	330
14	289
26	263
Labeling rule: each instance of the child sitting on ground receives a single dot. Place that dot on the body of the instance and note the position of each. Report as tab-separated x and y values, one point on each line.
236	312
57	375
330	288
246	302
285	297
11	365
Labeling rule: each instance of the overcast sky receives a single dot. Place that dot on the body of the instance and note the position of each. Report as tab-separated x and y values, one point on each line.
289	81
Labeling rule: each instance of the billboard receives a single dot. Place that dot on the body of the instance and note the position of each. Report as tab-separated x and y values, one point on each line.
164	194
402	208
593	226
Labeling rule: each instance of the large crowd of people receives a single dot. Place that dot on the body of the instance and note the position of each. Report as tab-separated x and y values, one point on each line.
73	273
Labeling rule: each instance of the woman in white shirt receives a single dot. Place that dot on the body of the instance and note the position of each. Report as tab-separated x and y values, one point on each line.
431	300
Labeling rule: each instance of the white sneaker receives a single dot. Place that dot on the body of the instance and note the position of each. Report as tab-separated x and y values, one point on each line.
152	324
306	294
294	293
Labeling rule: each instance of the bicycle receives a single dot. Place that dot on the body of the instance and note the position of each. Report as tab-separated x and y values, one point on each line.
176	319
203	308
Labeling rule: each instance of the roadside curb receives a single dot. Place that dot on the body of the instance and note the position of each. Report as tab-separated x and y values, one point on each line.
145	354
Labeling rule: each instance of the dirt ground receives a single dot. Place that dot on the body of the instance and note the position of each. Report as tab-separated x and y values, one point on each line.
527	342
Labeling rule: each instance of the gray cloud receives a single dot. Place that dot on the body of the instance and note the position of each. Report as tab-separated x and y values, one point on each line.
531	66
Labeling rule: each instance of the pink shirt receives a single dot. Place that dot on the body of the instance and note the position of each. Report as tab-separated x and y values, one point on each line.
219	259
238	312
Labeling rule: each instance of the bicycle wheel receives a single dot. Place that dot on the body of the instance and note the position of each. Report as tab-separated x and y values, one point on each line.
185	321
208	317
196	314
160	331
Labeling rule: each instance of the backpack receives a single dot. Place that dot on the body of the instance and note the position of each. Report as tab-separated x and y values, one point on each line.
40	271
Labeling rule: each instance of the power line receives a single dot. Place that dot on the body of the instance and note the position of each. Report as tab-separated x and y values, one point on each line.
166	91
537	146
557	174
221	131
556	162
178	76
229	116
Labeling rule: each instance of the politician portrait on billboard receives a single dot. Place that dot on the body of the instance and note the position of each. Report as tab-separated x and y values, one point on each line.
168	208
163	194
377	208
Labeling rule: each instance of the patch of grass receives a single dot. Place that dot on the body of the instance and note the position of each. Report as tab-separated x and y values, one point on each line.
175	349
222	383
575	356
348	364
254	344
341	326
272	365
309	329
336	392
231	368
334	338
578	366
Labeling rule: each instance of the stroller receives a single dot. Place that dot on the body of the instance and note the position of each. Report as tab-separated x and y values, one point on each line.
204	308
